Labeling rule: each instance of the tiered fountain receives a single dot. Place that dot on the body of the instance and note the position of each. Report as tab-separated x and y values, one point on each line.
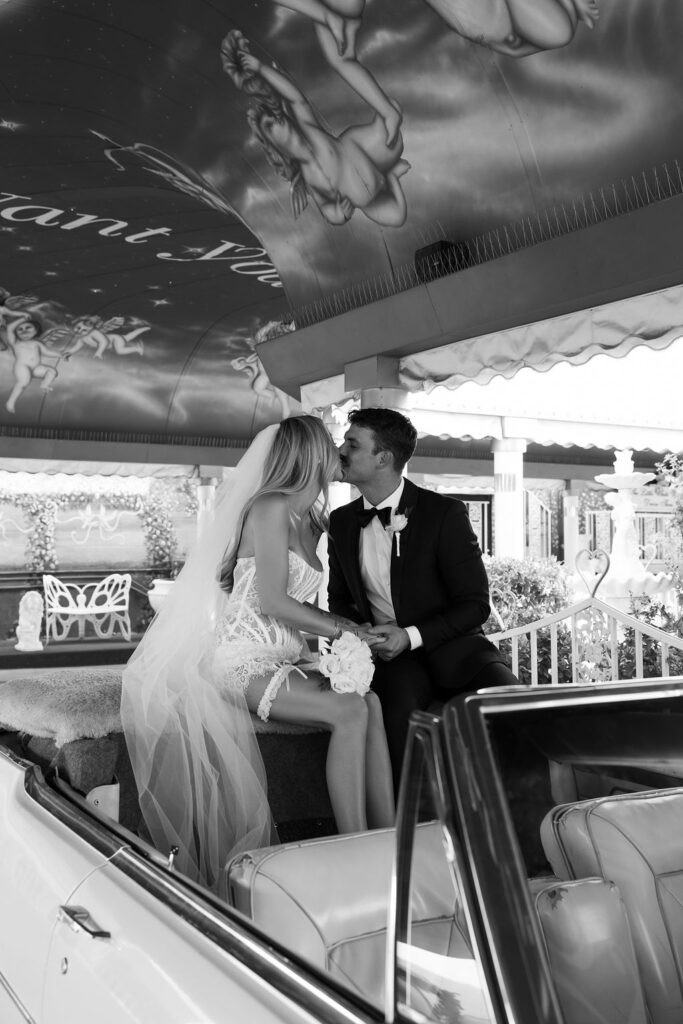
627	575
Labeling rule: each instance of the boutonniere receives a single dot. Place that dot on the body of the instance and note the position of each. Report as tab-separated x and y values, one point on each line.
397	522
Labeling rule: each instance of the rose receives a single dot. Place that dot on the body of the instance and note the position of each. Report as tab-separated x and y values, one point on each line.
348	665
397	522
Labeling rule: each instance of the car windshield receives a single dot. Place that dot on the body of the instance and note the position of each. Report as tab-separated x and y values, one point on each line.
559	751
571	804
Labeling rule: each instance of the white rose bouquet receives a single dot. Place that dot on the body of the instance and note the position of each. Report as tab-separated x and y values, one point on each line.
348	665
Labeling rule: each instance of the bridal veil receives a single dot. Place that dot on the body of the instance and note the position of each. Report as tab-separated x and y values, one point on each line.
198	769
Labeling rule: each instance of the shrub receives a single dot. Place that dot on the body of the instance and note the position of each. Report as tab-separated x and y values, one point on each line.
523	590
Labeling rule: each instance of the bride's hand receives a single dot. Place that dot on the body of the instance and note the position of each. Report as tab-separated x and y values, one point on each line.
363	632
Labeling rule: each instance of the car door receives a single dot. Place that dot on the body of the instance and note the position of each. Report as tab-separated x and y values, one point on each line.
131	942
122	952
40	863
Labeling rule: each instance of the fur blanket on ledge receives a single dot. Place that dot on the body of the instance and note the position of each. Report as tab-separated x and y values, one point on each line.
69	704
63	704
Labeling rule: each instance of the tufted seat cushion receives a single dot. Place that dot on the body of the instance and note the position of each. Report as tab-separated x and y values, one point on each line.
327	900
636	841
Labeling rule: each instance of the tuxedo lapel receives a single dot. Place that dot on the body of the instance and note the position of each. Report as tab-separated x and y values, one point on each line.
399	551
352	559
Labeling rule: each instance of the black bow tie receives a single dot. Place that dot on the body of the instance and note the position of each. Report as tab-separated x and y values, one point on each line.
366	515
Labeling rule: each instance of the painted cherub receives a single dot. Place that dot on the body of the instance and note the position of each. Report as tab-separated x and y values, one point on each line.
355	170
101	335
22	336
517	28
336	26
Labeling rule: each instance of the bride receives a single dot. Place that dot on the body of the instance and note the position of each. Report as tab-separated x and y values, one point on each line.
226	642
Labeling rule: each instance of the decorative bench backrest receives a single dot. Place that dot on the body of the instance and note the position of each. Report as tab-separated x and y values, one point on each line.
591	635
105	604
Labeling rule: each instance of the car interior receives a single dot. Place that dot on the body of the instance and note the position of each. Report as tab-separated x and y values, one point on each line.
595	797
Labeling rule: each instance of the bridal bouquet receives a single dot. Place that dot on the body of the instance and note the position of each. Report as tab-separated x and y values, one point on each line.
348	665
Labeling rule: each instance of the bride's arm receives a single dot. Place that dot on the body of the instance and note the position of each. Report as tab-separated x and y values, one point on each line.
267	526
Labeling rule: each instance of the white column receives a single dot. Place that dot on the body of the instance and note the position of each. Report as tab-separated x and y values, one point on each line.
508	497
573	541
386	397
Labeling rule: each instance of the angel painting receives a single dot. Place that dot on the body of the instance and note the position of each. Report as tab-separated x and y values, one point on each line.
517	28
355	170
336	25
21	335
102	335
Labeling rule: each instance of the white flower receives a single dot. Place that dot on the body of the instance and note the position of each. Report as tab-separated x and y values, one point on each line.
349	665
397	522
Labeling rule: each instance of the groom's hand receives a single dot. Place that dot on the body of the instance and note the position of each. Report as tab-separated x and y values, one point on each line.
392	641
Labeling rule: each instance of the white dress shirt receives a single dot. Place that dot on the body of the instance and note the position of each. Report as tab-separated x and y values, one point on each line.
375	567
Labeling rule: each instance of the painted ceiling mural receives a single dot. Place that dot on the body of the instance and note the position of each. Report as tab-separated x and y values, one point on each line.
178	175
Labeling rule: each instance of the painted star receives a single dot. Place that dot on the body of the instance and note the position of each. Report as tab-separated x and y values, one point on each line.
194	250
24	248
160	302
10	126
97	291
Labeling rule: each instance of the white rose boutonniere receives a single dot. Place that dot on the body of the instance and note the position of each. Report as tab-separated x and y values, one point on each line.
397	523
348	666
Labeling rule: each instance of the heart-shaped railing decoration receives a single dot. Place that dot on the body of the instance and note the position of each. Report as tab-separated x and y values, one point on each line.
592	567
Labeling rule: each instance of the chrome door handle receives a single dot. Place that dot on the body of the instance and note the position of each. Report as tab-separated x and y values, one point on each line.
79	919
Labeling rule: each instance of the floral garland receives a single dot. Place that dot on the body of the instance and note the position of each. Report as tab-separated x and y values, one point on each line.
160	536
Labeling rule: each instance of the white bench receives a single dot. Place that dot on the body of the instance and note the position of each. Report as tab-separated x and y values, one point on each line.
104	604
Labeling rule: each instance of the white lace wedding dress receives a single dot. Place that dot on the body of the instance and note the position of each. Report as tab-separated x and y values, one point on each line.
250	644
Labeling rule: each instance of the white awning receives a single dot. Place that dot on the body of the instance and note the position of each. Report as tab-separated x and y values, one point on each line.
628	402
654	319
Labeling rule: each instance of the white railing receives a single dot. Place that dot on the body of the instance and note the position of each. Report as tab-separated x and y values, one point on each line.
590	633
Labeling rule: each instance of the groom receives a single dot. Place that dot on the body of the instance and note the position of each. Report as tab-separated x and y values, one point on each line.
407	560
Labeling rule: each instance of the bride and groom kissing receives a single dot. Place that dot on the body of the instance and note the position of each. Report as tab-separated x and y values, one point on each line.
406	577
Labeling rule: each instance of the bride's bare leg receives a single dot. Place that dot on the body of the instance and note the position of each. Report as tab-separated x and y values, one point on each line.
346	715
379	784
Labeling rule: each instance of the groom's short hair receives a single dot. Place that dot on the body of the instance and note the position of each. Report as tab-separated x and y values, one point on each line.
393	432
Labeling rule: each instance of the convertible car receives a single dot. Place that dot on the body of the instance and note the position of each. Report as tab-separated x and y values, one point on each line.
535	875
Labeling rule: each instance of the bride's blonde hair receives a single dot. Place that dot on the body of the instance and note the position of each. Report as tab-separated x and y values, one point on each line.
302	451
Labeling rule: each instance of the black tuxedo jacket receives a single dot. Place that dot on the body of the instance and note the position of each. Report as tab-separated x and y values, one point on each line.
438	581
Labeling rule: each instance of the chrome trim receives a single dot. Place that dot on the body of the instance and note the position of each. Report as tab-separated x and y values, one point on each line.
567	696
16	1000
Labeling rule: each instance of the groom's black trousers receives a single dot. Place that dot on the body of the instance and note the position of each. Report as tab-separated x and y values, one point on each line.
406	684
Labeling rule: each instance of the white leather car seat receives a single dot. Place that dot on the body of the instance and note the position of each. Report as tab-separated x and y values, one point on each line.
590	952
636	841
327	900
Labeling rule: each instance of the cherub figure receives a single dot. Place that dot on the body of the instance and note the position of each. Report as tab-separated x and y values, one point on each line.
517	28
97	333
336	26
22	338
354	170
30	620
